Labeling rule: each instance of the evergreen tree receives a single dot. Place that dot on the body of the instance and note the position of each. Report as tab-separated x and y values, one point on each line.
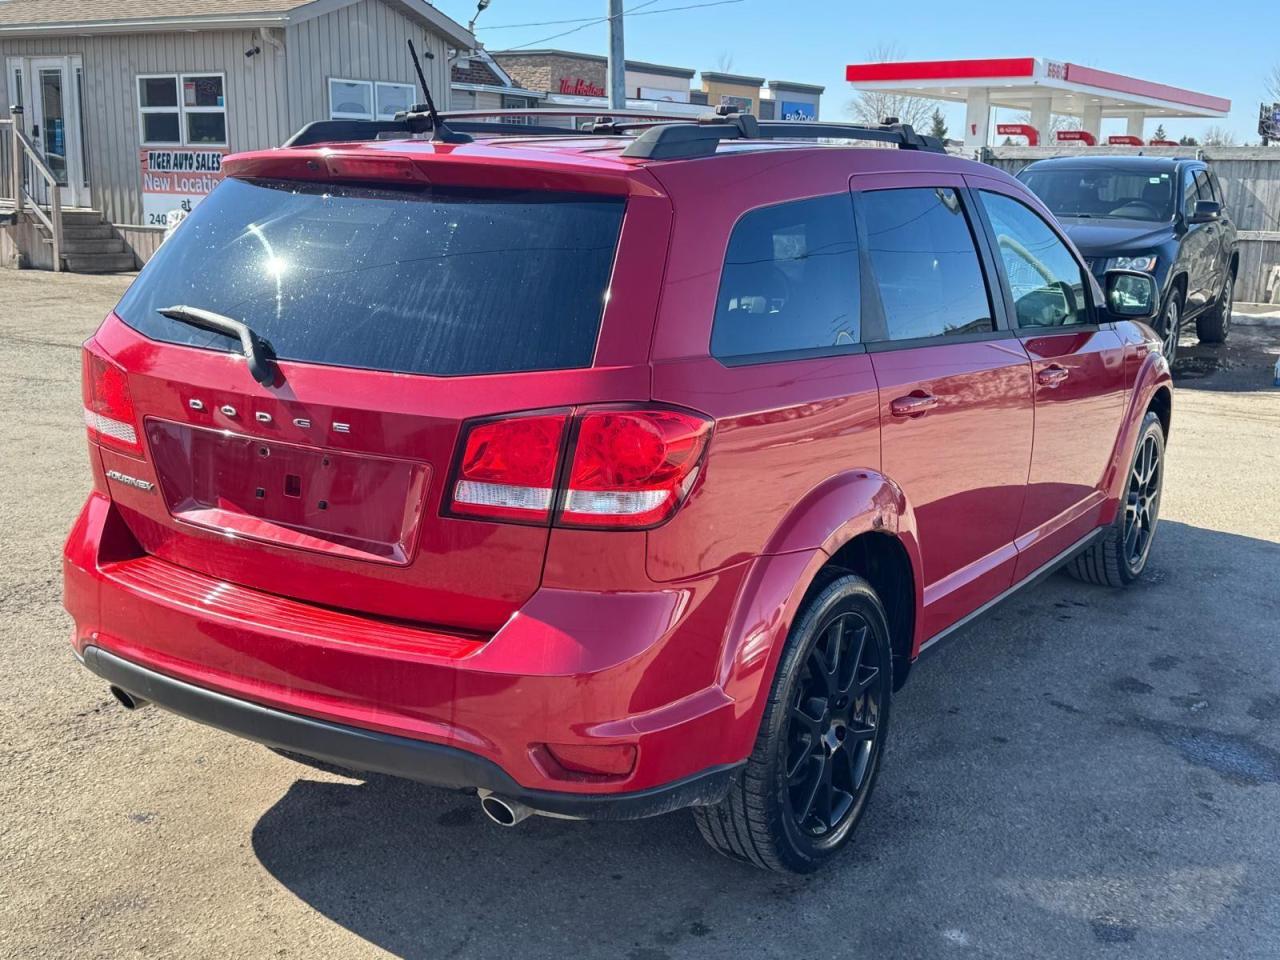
1160	134
939	128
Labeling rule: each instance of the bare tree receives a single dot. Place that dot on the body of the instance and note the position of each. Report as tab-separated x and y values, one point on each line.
872	106
724	62
1217	136
1272	83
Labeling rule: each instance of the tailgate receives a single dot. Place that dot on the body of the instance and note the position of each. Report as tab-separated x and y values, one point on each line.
395	318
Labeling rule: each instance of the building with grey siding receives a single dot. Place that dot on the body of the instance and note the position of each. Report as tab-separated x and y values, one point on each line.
133	103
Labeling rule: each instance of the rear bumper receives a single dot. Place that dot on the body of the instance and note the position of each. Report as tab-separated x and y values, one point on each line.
369	750
571	667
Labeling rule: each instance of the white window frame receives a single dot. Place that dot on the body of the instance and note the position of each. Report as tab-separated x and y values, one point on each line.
181	109
372	86
392	83
373	105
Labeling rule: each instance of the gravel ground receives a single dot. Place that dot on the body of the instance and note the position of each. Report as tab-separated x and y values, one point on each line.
1085	773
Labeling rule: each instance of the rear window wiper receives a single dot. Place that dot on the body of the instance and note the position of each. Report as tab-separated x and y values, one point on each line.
258	352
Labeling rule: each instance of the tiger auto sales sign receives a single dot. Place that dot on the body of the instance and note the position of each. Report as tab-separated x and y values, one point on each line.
177	178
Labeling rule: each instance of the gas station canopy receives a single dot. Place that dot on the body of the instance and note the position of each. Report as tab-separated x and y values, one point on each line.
1037	86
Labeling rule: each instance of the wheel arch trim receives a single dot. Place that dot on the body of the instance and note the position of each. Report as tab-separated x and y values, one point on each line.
831	515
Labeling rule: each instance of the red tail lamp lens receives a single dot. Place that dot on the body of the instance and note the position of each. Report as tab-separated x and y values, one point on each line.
632	468
108	407
508	468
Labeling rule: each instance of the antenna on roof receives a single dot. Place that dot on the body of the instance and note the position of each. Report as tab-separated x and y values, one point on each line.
440	132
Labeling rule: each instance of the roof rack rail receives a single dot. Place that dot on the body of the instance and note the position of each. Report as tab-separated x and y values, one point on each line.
512	123
701	137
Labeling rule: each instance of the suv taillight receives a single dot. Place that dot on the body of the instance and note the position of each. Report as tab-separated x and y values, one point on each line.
627	468
108	408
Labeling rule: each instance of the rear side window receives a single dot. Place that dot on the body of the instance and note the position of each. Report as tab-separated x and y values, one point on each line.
925	263
444	282
1047	283
790	281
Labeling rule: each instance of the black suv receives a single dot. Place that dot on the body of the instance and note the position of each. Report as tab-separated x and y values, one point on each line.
1160	215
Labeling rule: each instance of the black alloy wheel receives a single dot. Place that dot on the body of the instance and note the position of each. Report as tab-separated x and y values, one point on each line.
813	768
834	728
1142	501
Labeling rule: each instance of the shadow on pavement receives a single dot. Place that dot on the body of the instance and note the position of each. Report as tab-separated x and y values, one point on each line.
1078	769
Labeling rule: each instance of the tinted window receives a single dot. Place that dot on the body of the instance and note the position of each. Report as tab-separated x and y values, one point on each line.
790	280
441	282
1092	192
1189	193
1045	279
925	264
1204	190
1217	187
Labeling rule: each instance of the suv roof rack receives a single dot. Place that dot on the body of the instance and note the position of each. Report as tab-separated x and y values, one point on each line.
701	137
512	123
656	138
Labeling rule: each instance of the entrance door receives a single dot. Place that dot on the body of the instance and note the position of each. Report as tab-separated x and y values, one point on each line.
50	91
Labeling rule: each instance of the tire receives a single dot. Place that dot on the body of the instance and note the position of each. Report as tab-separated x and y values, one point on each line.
1212	326
1171	324
1113	560
833	761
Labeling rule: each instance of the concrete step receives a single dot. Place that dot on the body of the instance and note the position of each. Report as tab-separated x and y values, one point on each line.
97	231
99	262
92	245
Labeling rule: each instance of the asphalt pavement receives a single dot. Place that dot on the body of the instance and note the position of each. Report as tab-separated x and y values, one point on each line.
1084	773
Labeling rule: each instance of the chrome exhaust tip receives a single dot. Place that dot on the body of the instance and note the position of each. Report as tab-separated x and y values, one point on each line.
503	812
127	699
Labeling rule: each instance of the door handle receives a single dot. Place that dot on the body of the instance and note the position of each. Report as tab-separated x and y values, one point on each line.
1052	376
913	404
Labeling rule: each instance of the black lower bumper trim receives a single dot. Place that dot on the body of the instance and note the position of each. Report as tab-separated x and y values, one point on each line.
368	750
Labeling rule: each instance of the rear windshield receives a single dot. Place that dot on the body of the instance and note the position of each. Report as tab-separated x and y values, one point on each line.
443	282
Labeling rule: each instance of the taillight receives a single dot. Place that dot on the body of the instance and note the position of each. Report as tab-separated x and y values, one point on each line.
108	408
508	468
632	468
627	468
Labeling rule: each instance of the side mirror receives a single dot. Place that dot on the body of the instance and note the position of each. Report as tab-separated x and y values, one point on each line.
1132	295
1206	211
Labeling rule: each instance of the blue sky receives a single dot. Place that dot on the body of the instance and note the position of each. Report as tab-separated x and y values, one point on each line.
1225	49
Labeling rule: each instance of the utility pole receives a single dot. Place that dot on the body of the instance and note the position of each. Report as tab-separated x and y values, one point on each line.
617	60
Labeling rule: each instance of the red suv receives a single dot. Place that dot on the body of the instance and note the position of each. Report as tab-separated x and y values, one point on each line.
602	474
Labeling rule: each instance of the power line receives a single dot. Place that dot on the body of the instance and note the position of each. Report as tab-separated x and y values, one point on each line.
585	21
633	12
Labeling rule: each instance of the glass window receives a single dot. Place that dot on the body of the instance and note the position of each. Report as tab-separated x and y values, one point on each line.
1190	193
350	99
206	128
196	116
1047	282
161	128
393	98
790	280
445	281
1204	189
1095	192
158	107
202	92
1217	187
925	262
158	92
